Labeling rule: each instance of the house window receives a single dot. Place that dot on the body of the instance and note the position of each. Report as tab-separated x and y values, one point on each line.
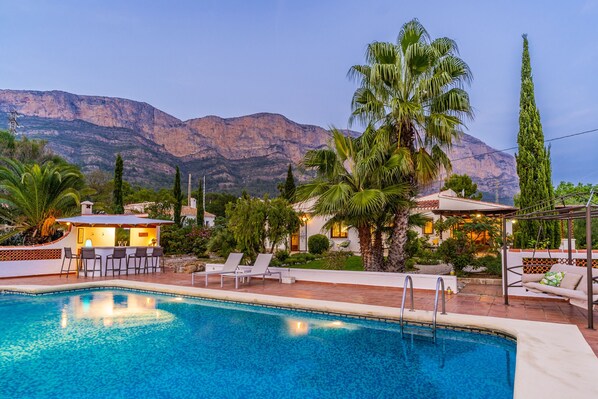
339	230
429	227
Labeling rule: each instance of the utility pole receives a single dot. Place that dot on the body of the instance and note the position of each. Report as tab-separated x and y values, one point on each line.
189	191
204	193
13	124
496	186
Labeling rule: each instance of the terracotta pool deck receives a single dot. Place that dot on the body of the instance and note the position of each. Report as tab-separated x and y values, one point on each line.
474	299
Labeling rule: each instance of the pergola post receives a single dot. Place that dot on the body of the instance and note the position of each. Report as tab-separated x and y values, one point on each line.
505	283
569	236
590	276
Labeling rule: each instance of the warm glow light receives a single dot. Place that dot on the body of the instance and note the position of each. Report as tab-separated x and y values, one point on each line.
103	308
336	323
178	298
478	215
63	319
297	327
514	221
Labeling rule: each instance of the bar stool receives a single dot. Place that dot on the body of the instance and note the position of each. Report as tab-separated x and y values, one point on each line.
155	258
88	254
68	254
118	254
141	254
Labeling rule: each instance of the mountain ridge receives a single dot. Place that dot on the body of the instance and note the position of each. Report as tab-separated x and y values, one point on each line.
250	151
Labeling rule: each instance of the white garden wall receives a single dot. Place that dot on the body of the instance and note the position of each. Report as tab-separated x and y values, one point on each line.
379	279
36	259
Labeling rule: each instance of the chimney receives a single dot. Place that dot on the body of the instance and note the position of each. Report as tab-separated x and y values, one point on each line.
193	203
86	208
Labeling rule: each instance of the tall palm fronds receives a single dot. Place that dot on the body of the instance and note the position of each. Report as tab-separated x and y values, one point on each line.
357	182
33	196
415	88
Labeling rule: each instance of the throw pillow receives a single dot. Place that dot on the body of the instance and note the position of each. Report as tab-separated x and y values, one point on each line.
570	281
553	279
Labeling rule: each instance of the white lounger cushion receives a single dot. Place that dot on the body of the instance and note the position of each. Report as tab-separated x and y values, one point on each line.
555	290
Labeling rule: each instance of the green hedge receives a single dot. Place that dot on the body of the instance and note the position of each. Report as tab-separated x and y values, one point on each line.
318	244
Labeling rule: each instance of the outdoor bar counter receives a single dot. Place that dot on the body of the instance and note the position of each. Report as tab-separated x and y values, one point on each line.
103	252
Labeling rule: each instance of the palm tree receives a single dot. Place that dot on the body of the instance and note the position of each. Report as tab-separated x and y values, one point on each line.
415	89
33	196
355	184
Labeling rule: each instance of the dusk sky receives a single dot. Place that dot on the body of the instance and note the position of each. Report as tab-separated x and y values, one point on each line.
232	58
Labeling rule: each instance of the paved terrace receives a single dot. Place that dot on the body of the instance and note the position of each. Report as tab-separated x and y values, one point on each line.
482	300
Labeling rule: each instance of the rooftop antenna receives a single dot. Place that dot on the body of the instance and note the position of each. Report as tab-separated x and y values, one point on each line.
13	124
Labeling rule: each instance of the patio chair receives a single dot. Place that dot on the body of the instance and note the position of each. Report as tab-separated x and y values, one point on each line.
259	268
68	254
88	254
119	254
141	255
231	264
155	258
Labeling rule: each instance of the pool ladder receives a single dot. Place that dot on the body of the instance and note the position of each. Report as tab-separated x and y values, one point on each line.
439	288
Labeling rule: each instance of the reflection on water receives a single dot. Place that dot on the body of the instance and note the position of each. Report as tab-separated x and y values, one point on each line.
113	310
296	327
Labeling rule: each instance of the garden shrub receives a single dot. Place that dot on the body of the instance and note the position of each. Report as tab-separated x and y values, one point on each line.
185	240
336	260
458	252
222	242
281	255
410	264
318	244
493	264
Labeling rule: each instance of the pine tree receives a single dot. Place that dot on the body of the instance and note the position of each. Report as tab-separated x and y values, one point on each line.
178	197
199	218
117	194
289	186
533	163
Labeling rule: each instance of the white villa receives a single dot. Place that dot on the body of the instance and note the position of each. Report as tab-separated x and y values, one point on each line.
433	206
188	212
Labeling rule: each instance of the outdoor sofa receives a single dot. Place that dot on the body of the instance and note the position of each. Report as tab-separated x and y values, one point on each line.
574	286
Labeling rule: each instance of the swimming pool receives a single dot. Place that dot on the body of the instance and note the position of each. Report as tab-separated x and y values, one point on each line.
117	344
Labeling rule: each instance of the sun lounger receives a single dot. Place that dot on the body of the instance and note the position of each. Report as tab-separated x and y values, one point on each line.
230	266
259	269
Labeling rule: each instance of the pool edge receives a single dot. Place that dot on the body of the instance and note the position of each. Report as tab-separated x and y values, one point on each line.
553	360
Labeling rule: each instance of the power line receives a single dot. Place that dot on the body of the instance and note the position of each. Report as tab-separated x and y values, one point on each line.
514	148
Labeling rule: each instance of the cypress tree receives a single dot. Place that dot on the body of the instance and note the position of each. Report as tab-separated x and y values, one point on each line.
289	186
533	163
117	194
199	218
178	197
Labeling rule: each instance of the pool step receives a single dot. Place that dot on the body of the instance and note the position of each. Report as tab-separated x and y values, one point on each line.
419	333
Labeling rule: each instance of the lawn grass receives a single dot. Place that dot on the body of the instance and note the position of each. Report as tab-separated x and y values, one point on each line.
353	264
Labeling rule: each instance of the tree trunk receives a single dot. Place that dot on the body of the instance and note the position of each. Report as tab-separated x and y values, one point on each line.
365	244
378	251
396	253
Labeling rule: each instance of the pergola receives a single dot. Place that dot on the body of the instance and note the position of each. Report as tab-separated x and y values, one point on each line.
550	211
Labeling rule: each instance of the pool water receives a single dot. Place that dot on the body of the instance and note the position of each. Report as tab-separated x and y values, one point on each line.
124	344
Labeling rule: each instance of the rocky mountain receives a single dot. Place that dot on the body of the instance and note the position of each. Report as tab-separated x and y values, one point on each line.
246	152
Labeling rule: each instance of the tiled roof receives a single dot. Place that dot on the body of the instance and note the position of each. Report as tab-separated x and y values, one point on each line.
428	204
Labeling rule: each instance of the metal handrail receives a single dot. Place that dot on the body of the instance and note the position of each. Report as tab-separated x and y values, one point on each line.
439	284
408	281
